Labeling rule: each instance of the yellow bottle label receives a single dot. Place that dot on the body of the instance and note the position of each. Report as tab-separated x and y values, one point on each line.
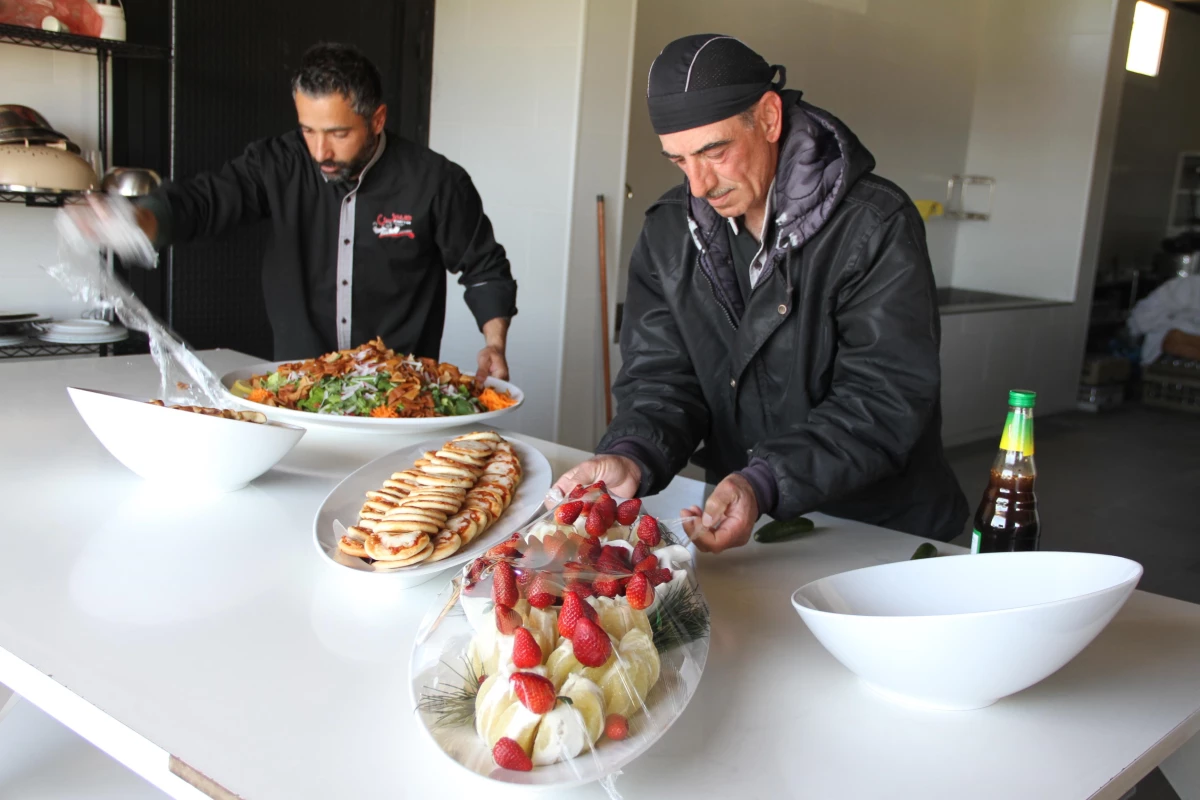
1018	434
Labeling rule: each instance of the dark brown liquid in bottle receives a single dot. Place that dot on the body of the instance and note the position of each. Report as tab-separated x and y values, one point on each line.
1007	518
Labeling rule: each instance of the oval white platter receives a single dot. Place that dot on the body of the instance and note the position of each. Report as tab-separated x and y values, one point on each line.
346	499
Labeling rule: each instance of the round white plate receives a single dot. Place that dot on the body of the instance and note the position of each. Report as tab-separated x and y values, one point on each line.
80	326
437	662
379	425
110	336
9	341
347	498
18	316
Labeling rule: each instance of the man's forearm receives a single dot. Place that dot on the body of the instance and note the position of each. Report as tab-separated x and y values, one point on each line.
495	333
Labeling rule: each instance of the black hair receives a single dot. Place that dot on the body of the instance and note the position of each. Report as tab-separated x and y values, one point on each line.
328	68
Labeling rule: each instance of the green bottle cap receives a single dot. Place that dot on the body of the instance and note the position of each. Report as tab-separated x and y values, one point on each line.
1022	398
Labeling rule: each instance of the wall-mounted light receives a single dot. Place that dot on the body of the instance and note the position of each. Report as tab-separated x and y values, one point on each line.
1146	38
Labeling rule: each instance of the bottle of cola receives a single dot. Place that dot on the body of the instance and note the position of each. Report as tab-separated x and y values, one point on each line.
1007	517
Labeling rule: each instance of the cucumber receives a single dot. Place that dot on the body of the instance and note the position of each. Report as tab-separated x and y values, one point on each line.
926	550
782	531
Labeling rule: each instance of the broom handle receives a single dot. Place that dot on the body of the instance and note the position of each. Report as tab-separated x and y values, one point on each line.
604	309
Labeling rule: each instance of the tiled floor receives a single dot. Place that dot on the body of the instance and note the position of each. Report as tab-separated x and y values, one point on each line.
1126	483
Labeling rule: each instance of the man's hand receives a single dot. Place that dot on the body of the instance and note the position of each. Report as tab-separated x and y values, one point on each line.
491	359
727	519
621	475
492	363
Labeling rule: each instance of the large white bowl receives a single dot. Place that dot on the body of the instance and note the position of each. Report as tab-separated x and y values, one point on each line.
960	632
180	448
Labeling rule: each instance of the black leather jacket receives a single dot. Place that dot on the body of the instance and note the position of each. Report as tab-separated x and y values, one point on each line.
823	388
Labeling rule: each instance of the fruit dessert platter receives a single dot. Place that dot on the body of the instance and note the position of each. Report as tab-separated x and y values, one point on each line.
566	649
429	512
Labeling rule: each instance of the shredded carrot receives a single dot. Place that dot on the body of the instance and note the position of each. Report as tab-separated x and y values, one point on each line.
494	401
259	396
386	412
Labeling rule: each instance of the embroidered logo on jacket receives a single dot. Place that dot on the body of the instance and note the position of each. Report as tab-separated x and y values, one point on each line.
393	226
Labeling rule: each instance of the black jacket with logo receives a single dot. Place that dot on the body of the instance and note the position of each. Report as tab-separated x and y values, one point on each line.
417	215
822	387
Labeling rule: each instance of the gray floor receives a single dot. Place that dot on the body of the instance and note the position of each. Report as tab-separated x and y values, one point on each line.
1127	483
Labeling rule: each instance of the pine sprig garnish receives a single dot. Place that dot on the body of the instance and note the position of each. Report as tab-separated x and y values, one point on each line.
452	706
680	617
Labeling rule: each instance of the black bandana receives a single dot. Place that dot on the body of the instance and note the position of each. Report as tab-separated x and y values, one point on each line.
705	78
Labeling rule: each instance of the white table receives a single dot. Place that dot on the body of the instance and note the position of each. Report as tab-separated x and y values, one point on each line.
212	631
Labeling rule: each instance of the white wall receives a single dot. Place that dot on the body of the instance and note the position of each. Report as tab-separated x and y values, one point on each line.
1040	86
900	73
985	355
505	105
62	87
604	118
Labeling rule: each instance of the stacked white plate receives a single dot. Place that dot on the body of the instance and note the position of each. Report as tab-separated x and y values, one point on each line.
83	331
9	341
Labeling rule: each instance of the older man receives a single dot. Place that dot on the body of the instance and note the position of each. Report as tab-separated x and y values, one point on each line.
781	311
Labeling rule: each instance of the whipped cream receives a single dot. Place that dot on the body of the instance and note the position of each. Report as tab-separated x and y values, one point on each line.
563	733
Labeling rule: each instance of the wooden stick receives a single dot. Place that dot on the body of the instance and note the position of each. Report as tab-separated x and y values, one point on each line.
604	310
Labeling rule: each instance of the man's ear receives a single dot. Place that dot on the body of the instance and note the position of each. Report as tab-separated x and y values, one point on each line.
379	119
771	114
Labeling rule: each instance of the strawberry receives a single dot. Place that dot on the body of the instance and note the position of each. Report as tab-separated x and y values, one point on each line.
646	564
508	755
591	644
535	692
647	531
577	492
507	619
524	578
660	576
597	523
572	570
527	654
589	549
607	585
504	585
568	512
608	507
541	591
581	588
628	511
476	571
639	591
506	549
613	559
597	485
616	727
587	508
573	609
555	546
640	551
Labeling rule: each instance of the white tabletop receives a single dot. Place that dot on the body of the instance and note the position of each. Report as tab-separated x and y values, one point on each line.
211	630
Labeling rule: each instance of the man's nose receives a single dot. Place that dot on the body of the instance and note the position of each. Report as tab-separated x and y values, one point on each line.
324	150
701	180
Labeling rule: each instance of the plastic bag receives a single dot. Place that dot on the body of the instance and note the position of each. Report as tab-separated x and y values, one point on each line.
82	271
599	652
77	15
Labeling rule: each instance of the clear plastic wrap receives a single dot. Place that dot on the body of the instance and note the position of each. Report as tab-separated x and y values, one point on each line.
564	652
83	272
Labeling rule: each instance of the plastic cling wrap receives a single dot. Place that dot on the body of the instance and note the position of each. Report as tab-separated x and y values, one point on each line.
564	652
185	379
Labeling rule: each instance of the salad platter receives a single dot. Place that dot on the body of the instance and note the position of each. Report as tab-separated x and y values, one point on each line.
371	388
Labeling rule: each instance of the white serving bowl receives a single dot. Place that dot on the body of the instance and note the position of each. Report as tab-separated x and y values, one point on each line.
189	450
959	632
